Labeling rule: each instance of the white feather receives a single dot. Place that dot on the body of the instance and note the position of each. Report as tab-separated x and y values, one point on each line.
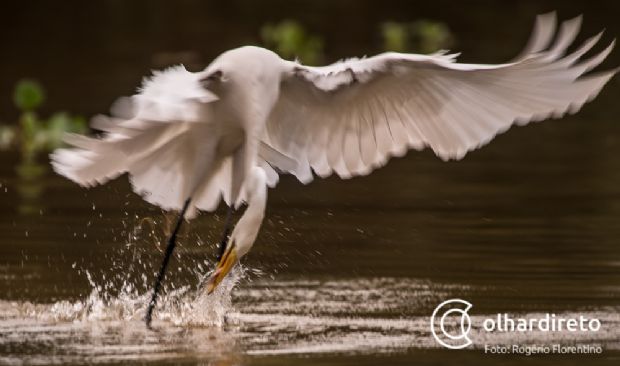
197	135
352	116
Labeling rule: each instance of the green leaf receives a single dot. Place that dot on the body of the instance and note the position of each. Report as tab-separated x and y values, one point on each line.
78	125
431	36
58	124
423	36
395	36
28	95
290	40
29	124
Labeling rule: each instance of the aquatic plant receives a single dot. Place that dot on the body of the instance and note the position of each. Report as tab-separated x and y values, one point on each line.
290	40
421	36
32	135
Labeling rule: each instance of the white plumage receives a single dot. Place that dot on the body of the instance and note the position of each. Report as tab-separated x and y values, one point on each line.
199	134
350	117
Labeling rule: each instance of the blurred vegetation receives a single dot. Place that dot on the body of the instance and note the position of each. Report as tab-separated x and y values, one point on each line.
290	40
33	135
422	36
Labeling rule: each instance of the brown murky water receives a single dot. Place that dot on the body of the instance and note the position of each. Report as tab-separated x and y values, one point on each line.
344	272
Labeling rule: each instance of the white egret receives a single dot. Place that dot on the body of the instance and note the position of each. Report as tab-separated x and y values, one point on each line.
246	230
187	139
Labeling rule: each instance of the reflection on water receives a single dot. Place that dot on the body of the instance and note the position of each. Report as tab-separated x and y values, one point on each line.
334	278
31	174
344	272
266	318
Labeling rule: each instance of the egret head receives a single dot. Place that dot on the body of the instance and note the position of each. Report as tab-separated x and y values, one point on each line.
245	72
246	230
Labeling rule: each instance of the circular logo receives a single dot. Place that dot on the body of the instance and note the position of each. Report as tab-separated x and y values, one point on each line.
450	323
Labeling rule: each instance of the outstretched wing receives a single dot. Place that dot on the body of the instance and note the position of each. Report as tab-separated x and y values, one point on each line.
352	116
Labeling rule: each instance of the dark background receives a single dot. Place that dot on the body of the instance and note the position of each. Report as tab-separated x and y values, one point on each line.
551	187
87	53
529	223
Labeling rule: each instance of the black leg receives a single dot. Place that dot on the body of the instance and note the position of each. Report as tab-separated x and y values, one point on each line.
172	242
226	233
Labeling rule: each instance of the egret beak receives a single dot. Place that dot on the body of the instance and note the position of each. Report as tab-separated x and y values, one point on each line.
223	267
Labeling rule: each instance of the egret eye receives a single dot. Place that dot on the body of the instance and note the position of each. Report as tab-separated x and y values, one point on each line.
211	79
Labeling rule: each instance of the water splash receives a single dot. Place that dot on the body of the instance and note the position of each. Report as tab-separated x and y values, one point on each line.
263	317
121	283
269	316
183	306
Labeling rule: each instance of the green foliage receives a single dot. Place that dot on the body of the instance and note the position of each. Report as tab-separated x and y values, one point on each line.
422	36
289	39
33	134
59	124
28	95
395	37
38	135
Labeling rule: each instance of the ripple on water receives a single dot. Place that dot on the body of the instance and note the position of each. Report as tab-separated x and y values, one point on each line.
259	318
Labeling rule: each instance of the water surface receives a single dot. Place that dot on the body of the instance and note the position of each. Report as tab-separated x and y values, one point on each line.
343	272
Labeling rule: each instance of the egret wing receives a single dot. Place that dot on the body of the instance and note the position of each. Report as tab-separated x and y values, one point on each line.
349	118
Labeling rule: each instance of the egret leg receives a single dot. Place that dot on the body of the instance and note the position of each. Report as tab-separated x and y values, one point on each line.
172	242
226	233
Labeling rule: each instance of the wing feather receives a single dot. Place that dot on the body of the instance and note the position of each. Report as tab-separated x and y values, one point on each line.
352	116
156	136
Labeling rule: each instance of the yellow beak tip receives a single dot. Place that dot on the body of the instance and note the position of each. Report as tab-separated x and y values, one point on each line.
210	289
212	284
223	267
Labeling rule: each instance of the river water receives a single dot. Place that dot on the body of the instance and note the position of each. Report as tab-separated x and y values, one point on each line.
343	272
